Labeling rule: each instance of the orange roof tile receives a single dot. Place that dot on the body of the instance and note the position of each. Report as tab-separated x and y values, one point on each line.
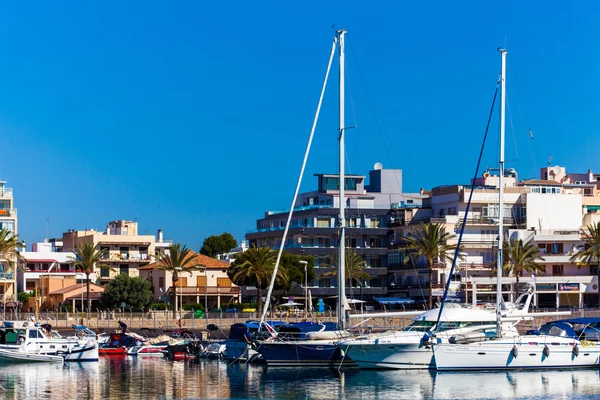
198	260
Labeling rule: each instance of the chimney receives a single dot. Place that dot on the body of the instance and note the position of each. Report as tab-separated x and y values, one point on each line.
160	236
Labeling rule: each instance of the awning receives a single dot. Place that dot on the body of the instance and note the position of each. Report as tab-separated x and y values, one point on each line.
394	300
40	260
593	208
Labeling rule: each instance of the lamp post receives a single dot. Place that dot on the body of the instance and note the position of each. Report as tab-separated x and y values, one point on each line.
305	263
206	292
179	270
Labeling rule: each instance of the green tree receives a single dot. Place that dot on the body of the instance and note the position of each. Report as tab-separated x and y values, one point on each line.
431	242
178	260
519	256
135	292
218	244
86	259
255	267
294	270
591	253
355	268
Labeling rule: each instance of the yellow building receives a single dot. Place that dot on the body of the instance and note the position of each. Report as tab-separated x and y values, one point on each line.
126	250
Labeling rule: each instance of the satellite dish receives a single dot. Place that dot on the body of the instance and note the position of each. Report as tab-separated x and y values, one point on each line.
556	170
378	166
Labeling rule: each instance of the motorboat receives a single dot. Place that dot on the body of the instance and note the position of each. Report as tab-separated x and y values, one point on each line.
411	349
214	350
555	345
119	344
12	356
33	338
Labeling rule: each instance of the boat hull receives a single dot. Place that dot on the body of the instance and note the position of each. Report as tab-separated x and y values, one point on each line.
12	357
527	353
239	351
391	356
303	354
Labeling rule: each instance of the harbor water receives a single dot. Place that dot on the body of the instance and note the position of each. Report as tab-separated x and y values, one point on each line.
157	378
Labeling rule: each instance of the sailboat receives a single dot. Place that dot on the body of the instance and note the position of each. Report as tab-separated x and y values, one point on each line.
555	345
317	347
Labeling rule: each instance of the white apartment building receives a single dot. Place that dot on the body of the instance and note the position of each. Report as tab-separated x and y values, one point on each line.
548	212
8	220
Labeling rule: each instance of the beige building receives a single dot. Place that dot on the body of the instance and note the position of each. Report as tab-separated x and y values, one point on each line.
67	292
8	220
126	250
210	287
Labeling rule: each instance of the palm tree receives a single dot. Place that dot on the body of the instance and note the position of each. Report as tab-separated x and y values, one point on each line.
86	259
354	268
591	253
431	242
255	267
178	259
519	256
9	243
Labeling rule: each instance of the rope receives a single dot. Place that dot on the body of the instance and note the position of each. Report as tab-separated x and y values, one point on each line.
464	224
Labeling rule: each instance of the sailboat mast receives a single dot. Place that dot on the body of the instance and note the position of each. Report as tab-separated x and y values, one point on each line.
500	263
341	273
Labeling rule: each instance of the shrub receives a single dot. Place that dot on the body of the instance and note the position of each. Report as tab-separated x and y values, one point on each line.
66	308
193	306
23	297
160	306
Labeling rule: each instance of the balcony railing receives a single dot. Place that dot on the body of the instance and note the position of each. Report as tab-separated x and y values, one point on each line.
127	257
51	272
208	290
7	276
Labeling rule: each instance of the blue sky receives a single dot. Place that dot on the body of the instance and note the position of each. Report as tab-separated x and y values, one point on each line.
193	116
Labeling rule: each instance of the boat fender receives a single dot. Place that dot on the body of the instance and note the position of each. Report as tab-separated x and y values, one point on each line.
576	350
425	338
515	351
546	350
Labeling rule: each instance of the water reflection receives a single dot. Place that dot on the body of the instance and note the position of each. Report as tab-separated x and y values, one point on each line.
131	378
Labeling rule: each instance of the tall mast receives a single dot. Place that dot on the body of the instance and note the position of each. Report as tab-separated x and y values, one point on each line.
501	195
341	273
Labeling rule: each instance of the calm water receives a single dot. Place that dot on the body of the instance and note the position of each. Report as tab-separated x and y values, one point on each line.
157	378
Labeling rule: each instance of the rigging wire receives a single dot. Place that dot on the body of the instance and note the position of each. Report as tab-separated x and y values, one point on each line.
464	223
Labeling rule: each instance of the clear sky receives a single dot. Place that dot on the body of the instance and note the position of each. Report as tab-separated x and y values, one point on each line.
193	116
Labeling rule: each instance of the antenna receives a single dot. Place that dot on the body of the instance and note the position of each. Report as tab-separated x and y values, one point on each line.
47	223
550	160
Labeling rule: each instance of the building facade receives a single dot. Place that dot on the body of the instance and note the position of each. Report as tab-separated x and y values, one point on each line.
370	210
205	281
9	221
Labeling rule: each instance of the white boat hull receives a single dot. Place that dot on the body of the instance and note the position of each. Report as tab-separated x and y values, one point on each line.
9	356
527	352
394	352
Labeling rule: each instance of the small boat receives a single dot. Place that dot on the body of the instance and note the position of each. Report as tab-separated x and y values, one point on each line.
214	350
11	356
119	343
238	345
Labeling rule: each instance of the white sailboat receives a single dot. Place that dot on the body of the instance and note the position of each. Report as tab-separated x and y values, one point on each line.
555	345
316	348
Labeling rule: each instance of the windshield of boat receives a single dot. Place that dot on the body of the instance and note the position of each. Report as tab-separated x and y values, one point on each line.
424	326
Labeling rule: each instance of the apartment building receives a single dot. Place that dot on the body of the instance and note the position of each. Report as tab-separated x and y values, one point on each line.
8	220
369	209
548	212
126	250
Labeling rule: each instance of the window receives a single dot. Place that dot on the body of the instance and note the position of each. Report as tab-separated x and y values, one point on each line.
161	282
393	258
124	269
104	273
488	257
323	222
409	201
224	282
452	211
594	270
558	270
375	223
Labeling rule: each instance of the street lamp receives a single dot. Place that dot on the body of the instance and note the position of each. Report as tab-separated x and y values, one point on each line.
305	263
179	270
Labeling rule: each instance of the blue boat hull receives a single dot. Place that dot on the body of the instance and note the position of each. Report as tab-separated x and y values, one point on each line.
304	354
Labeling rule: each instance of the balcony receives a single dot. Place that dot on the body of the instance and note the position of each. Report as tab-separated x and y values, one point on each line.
493	221
126	257
208	290
7	276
